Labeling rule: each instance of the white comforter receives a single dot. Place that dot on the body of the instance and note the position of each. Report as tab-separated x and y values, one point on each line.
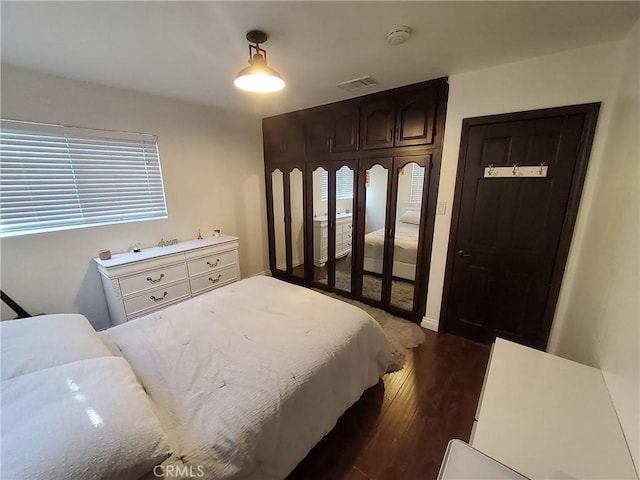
405	244
248	378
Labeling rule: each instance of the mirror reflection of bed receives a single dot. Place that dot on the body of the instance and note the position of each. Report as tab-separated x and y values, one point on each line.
408	208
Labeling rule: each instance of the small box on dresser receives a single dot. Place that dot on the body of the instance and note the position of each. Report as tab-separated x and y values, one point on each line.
138	283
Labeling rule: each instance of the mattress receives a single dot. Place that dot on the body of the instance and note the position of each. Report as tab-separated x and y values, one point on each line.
246	379
405	245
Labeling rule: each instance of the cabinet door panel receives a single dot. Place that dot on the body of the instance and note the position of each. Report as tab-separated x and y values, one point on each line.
415	118
272	140
377	124
319	130
345	130
283	137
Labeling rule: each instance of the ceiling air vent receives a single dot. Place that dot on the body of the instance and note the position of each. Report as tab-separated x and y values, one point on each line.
357	83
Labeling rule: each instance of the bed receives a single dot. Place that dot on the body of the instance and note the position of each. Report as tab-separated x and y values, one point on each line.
240	382
405	247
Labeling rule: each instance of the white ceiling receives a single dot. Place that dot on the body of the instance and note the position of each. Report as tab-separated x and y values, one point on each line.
193	50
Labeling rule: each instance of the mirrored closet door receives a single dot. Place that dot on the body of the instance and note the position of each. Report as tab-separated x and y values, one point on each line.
333	193
277	207
409	194
344	226
392	200
296	183
287	230
374	198
320	196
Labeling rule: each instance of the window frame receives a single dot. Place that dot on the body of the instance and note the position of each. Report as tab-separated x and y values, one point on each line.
56	178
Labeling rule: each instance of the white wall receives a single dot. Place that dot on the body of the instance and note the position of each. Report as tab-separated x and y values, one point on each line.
599	320
376	207
213	173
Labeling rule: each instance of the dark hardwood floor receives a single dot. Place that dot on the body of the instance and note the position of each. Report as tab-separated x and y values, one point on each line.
399	429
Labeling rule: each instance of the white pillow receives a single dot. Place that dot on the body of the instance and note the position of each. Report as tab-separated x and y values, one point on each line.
86	419
31	344
411	216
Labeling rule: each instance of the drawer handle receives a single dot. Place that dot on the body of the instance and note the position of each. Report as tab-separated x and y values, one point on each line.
157	279
158	299
215	280
214	264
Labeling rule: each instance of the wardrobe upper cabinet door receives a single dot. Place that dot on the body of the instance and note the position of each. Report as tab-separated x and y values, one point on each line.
415	118
319	130
283	137
332	130
345	129
377	124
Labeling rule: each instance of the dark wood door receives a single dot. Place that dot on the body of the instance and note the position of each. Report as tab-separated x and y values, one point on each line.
510	235
377	124
415	118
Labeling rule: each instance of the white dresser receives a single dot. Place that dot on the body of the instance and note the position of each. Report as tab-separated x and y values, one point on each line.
549	418
139	283
344	235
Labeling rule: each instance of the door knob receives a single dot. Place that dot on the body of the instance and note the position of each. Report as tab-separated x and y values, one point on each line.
462	253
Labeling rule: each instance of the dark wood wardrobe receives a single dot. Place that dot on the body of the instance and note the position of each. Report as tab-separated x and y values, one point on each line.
351	195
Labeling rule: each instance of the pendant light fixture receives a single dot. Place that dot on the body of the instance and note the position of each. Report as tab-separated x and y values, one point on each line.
258	77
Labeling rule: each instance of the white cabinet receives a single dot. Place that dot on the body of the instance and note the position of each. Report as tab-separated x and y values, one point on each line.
344	235
139	283
548	417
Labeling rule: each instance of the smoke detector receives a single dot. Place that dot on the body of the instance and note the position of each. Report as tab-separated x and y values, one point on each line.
398	35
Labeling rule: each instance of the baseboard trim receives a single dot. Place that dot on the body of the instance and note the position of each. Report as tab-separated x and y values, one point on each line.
429	324
265	273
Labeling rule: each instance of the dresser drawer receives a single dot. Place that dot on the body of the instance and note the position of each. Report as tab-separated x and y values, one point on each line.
344	226
215	279
152	279
211	263
156	298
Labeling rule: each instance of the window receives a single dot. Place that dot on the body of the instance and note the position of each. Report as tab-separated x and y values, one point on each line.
57	178
344	184
417	182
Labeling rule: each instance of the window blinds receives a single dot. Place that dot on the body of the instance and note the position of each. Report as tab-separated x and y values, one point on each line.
344	184
56	178
417	182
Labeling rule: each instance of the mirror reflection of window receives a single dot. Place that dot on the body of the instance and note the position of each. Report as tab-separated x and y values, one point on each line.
277	186
344	184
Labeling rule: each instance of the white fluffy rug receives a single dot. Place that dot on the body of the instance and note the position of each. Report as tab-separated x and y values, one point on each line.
402	334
